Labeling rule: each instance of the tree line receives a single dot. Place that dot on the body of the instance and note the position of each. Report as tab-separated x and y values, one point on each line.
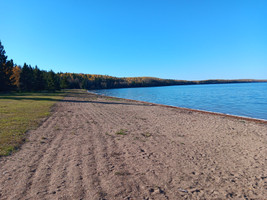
27	78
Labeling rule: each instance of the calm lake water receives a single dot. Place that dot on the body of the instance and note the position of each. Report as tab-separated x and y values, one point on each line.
242	99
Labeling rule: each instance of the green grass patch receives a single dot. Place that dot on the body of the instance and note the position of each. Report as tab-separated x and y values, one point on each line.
20	112
121	132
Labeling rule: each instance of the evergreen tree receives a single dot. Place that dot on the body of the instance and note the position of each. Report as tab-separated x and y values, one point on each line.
85	84
6	76
6	70
38	80
64	82
26	78
3	57
52	81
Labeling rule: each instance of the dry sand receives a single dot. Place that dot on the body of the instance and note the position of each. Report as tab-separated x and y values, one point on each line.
167	153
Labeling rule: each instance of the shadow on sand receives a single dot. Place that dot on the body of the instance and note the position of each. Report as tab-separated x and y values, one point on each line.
71	101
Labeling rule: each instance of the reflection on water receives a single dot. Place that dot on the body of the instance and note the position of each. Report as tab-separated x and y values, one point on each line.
243	99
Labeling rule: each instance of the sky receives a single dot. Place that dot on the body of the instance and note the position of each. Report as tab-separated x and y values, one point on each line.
184	40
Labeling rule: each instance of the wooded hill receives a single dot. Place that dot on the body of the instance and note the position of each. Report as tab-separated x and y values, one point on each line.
89	81
27	78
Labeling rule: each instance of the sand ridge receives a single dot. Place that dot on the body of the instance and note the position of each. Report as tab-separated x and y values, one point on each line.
164	153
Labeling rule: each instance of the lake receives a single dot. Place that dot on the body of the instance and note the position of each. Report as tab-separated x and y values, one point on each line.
242	99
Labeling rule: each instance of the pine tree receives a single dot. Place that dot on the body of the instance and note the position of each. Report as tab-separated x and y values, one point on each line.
52	81
64	82
3	57
26	78
38	79
5	70
8	71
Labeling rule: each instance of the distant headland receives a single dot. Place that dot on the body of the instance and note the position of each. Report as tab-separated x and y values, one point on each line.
89	81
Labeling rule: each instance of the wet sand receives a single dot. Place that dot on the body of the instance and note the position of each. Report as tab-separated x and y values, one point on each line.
96	147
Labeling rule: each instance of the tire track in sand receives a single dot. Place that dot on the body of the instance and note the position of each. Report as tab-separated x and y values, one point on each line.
112	168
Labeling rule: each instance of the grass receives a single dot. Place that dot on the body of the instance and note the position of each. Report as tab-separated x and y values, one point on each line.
121	132
20	112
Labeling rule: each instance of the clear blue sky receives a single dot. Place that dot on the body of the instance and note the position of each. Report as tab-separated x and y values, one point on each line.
189	40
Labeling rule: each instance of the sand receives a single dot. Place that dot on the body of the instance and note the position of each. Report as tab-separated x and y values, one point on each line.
161	153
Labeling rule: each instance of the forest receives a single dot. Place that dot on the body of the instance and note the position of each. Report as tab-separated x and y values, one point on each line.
27	78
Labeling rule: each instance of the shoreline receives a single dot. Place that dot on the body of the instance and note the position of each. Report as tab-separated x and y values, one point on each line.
100	147
190	109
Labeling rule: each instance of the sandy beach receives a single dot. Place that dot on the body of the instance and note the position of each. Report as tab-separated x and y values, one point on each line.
95	147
